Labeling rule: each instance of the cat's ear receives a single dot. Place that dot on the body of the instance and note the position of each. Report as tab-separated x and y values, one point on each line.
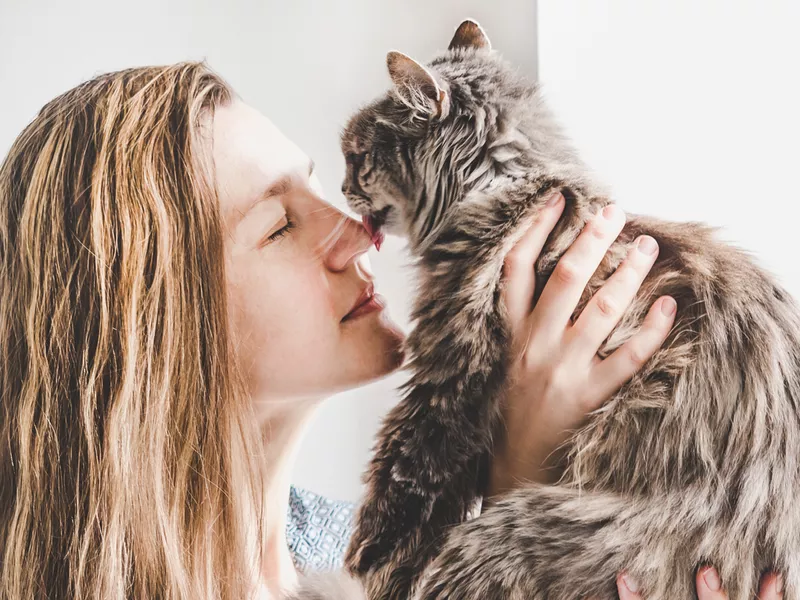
470	35
417	86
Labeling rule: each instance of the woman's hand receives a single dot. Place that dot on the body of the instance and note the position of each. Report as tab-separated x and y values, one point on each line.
556	376
708	587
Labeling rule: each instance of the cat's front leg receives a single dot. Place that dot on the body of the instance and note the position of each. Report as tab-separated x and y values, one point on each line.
423	480
425	473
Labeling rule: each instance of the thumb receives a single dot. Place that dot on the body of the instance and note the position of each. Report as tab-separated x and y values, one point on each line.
628	587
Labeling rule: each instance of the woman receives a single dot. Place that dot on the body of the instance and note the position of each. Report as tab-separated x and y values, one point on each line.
177	298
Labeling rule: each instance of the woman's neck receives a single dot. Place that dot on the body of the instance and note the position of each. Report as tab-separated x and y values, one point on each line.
282	425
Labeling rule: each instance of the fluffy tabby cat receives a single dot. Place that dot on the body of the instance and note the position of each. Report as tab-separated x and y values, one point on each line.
694	461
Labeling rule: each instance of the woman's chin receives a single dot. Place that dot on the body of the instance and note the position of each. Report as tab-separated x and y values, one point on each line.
389	356
380	352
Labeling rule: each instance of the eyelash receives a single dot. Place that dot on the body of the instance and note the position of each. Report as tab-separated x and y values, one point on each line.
281	232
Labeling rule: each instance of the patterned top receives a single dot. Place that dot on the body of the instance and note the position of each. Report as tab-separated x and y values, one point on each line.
318	530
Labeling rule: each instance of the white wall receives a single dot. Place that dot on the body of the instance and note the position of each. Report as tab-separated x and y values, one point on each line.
307	64
690	109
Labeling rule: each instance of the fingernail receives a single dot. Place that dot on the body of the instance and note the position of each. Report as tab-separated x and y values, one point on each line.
554	198
630	583
779	583
711	578
609	211
647	245
668	307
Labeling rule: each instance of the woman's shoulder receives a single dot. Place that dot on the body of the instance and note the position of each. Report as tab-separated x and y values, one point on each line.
318	530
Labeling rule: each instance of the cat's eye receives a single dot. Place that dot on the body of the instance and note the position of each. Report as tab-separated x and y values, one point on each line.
358	157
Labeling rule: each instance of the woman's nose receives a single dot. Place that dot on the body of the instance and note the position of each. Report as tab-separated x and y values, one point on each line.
351	240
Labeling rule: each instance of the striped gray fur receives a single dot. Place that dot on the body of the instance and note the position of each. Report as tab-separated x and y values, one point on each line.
694	461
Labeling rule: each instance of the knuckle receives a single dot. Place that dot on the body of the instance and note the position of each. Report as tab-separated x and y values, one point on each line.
536	359
566	272
556	379
562	373
531	359
636	356
514	261
606	306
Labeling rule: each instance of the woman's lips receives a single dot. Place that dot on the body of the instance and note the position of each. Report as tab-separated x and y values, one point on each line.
368	302
374	231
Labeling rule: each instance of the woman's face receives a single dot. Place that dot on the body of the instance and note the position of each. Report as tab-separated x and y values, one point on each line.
296	269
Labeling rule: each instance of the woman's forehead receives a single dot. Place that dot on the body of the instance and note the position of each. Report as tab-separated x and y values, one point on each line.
250	154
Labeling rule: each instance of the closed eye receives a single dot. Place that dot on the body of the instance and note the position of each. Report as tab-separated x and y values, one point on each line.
285	226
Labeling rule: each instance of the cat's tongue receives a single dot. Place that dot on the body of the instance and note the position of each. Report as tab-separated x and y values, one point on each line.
374	231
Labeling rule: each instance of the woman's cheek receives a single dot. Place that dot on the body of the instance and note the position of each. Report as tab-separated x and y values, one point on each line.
307	304
297	323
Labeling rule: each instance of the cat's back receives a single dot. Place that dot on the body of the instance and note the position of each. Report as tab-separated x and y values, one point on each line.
719	402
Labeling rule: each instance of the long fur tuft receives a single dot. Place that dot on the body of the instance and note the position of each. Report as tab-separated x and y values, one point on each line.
694	461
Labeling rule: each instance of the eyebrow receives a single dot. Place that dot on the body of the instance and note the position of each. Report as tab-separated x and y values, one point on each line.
284	184
278	188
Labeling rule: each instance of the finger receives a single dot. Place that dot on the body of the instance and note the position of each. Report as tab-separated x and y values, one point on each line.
607	306
518	269
771	587
709	585
573	271
628	588
612	373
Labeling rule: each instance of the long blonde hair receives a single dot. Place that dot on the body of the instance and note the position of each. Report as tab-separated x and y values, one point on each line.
128	458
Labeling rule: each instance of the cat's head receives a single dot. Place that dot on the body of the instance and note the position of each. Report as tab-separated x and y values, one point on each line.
413	153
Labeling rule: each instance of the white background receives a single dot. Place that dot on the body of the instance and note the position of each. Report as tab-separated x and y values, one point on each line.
688	108
307	65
